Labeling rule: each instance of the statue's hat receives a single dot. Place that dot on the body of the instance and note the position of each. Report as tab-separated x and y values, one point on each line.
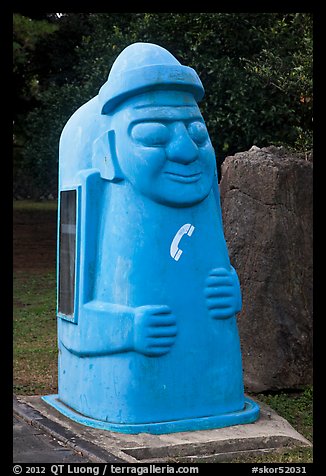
143	67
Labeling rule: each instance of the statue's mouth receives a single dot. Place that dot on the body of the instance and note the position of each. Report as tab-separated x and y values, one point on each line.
184	178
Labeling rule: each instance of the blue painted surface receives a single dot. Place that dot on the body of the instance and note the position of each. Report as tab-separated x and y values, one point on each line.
153	343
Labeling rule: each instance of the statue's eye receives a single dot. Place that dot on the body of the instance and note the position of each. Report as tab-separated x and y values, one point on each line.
198	132
151	134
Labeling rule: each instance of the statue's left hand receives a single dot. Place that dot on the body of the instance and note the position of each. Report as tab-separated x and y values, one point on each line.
222	292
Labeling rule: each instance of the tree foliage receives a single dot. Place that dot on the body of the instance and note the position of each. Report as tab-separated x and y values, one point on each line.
27	35
256	69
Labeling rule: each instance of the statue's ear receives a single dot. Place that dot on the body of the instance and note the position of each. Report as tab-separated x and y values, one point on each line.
104	157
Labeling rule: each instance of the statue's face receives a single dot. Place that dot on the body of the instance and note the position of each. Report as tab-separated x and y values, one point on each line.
163	147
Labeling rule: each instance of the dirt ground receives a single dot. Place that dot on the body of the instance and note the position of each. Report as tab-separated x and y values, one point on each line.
34	240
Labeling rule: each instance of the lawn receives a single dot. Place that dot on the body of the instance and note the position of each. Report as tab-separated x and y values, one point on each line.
34	325
34	286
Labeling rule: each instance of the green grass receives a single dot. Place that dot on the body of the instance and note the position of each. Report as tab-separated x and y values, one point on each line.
301	455
296	408
34	326
26	205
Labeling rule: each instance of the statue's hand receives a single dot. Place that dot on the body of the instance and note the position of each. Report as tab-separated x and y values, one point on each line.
155	330
222	292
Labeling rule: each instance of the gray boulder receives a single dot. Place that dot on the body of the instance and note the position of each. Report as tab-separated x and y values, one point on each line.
266	197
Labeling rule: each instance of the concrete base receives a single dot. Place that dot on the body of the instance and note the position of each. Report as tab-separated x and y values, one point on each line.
270	433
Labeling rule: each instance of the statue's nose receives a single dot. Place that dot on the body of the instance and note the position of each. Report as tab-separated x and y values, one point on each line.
181	148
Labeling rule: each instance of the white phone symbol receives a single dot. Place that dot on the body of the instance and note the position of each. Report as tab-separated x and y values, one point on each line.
186	229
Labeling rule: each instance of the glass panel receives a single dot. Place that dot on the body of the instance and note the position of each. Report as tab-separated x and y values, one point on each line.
67	252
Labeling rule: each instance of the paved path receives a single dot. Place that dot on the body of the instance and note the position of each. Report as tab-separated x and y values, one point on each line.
38	439
31	445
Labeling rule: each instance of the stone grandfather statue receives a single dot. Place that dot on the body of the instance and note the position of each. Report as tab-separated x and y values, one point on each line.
147	297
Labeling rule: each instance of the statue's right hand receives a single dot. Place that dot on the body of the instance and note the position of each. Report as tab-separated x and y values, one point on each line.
155	330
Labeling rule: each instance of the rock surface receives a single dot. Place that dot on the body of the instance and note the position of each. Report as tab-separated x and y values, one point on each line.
266	197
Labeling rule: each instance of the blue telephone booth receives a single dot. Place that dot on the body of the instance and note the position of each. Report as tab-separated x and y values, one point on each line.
147	297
